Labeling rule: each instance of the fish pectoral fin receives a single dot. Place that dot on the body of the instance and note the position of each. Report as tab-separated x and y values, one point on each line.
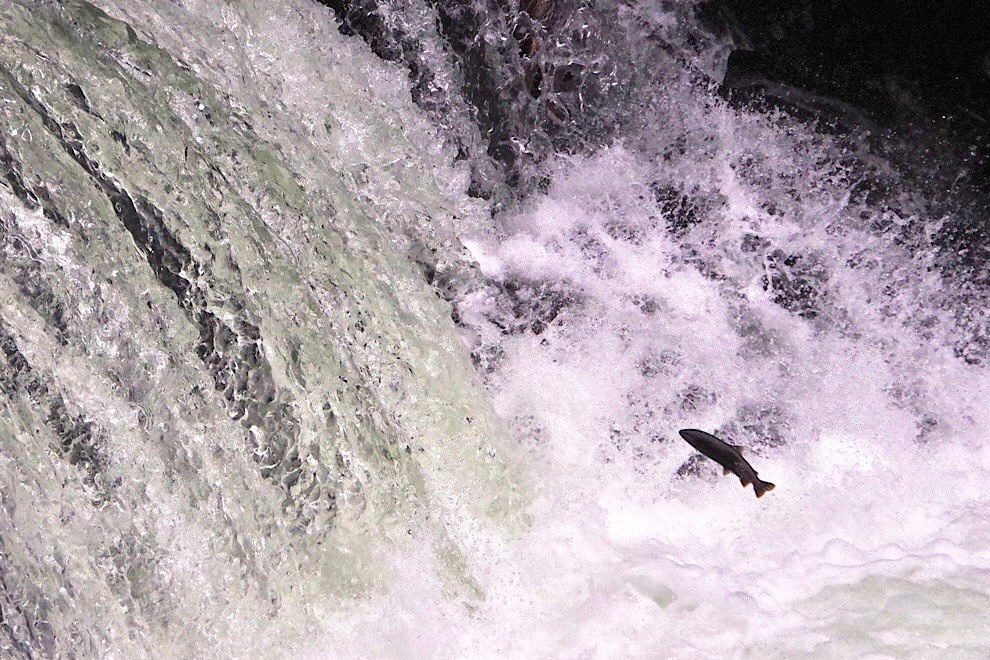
726	471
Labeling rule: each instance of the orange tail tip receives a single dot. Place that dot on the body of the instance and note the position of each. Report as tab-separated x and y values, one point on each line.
762	486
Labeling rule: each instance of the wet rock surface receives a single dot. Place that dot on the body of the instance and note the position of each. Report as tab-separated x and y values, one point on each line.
899	64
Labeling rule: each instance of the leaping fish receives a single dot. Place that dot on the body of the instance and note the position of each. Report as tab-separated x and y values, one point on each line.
728	456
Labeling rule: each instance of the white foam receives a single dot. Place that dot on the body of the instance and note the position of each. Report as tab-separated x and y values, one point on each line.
858	549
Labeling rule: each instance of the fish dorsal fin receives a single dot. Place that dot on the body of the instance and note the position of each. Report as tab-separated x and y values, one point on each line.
738	448
726	471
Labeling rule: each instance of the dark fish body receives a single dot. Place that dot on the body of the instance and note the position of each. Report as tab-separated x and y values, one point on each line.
728	456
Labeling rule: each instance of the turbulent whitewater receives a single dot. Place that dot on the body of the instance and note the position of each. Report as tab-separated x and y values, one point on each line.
310	350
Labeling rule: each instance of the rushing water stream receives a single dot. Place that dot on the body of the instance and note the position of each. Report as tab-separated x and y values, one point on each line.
297	363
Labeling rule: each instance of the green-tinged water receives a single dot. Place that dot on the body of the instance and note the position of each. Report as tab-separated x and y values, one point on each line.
228	387
295	367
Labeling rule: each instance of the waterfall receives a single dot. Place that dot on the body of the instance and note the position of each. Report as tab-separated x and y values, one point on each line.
366	330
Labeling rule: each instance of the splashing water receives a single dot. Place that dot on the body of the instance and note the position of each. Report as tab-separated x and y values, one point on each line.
872	433
239	420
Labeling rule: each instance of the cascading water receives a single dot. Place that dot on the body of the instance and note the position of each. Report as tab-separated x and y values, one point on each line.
245	274
226	389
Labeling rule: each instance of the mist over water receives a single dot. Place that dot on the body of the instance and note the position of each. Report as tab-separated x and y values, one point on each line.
872	431
296	366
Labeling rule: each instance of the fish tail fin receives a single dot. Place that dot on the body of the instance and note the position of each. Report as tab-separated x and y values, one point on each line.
762	487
